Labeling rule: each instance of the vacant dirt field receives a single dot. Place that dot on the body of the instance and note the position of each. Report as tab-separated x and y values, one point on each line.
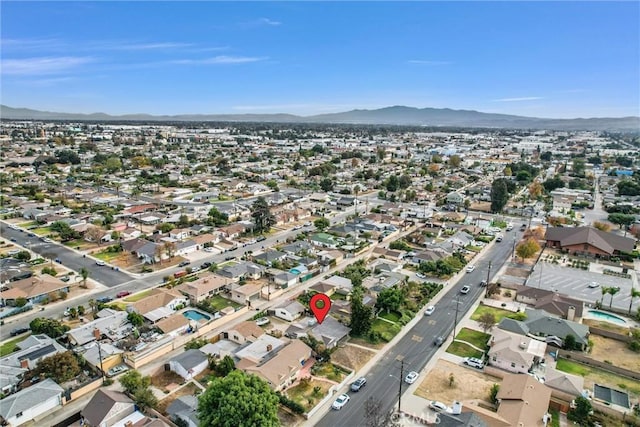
468	383
615	352
188	390
351	356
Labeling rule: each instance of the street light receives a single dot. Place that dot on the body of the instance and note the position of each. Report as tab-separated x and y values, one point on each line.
400	381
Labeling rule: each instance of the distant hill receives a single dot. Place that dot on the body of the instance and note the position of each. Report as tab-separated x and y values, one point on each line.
396	115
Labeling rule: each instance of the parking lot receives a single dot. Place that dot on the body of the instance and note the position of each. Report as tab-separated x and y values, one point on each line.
574	282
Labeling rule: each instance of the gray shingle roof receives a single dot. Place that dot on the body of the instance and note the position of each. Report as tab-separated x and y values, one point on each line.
101	403
29	397
190	358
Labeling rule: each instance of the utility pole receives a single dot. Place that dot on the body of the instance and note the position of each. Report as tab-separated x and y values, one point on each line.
455	323
486	290
401	380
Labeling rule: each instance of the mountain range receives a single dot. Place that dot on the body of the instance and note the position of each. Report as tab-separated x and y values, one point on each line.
396	115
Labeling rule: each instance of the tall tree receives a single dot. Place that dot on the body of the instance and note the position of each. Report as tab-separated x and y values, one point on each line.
60	367
487	321
612	291
374	413
499	195
527	249
635	293
238	400
85	275
262	215
361	315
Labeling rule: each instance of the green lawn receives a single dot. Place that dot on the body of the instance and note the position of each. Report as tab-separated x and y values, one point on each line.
600	376
10	346
336	296
28	224
463	350
477	338
304	393
217	303
42	231
497	312
138	296
387	330
107	256
392	316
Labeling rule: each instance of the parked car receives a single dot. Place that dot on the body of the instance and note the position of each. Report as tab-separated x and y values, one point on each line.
429	311
184	263
342	400
122	294
473	362
262	321
18	331
465	289
358	384
421	276
438	341
117	370
101	263
471	268
104	300
438	406
483	283
205	265
523	227
261	238
210	249
499	238
65	278
593	285
411	377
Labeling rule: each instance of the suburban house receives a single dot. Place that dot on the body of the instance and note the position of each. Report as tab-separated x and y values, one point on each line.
33	289
244	332
588	241
184	408
189	364
455	198
553	303
270	256
330	332
202	288
31	351
513	352
242	269
106	408
111	323
553	329
160	303
174	324
31	403
523	401
258	351
282	370
245	294
104	357
289	310
561	381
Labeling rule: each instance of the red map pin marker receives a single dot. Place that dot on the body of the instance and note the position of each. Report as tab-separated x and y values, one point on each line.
320	305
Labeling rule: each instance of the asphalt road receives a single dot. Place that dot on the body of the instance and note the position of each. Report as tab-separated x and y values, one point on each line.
417	347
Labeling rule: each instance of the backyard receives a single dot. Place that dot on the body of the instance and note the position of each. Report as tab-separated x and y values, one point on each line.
218	302
613	351
189	389
598	376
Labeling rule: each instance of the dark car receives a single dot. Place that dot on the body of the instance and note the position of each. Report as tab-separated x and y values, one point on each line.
18	331
261	238
229	258
104	300
205	265
65	278
184	263
438	341
358	384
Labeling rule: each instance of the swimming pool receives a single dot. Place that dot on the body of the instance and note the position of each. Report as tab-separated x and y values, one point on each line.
608	317
195	315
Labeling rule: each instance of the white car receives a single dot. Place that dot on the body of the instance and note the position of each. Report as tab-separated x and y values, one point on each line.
411	377
429	311
593	285
473	362
262	321
342	400
471	268
421	276
210	249
465	289
438	406
101	263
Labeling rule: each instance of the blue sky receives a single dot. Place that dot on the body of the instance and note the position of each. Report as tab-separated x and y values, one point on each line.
543	59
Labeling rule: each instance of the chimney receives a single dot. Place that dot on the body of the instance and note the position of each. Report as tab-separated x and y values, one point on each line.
96	333
571	313
128	424
456	409
269	347
24	364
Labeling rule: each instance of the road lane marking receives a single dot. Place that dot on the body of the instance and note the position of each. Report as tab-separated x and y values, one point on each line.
416	338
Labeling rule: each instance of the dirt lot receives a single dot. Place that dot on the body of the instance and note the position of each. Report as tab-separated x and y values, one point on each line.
188	390
468	383
614	351
351	356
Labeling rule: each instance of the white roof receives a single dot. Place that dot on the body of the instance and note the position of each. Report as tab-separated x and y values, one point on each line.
159	313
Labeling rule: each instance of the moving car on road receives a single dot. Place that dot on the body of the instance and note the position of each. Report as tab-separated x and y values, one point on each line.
123	294
100	263
438	341
342	400
411	377
471	268
429	311
465	289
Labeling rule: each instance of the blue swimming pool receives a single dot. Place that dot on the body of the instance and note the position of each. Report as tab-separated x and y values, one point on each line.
195	315
607	316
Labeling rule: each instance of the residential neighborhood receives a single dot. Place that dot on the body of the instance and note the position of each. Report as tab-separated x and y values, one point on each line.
147	267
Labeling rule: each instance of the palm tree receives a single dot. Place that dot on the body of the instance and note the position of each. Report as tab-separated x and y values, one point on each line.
85	274
604	290
94	306
635	293
612	291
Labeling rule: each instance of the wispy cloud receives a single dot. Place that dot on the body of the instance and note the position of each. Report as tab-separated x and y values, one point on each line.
268	21
31	44
42	65
151	46
220	59
520	99
260	22
428	62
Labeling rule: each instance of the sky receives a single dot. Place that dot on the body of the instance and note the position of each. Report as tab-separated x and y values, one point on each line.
543	59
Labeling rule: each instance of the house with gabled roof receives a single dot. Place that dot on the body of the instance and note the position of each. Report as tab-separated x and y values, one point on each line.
31	403
34	289
160	303
204	287
282	369
106	408
514	352
588	241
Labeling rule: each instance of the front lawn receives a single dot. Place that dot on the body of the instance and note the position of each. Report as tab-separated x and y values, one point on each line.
477	338
308	393
463	350
138	296
497	312
329	371
107	256
10	346
391	316
217	303
42	231
386	330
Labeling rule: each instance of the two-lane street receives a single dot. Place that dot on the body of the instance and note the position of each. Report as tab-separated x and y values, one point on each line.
417	346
